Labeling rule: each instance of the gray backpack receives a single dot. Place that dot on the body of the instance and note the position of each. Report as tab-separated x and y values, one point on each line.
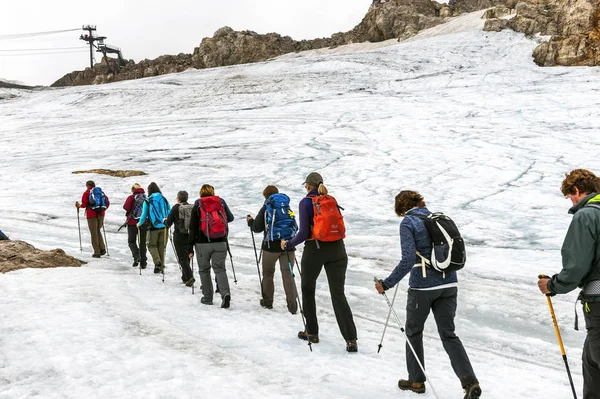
185	215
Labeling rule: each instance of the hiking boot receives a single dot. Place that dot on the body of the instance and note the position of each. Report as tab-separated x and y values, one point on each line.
351	345
190	282
416	387
135	263
143	265
266	304
472	391
95	256
225	301
314	338
205	301
157	269
102	252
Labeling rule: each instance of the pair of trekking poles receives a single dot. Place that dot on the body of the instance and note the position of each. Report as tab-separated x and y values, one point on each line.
81	244
291	267
548	297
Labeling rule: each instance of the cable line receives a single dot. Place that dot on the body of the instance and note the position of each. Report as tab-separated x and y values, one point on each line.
45	49
32	34
45	53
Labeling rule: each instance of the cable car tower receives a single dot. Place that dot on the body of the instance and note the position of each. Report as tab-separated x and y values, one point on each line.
91	37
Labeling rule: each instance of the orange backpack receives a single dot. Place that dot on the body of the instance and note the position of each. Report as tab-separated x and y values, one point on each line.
328	223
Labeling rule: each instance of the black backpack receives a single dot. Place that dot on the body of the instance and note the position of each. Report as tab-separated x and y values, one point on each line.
447	246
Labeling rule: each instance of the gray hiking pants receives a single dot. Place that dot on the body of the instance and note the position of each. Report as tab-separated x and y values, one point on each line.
591	352
269	260
212	254
95	225
443	304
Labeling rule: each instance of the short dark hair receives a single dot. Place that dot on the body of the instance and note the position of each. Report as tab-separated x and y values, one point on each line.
270	190
90	183
182	196
153	188
406	200
585	181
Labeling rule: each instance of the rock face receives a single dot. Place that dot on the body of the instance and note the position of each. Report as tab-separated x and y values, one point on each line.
15	255
391	19
574	27
109	172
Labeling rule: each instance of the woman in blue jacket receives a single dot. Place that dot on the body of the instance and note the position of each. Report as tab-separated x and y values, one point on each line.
156	209
429	290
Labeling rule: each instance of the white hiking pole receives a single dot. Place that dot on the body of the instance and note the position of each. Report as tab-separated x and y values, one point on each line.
388	318
407	341
79	228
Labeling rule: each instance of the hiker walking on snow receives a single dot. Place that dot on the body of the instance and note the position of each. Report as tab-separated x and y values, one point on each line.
275	220
156	209
133	211
324	248
429	290
95	203
208	236
581	267
180	216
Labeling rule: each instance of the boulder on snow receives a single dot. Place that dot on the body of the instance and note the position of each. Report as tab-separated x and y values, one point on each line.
114	173
15	255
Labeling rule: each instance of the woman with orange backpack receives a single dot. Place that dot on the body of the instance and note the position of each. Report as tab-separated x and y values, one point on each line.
322	231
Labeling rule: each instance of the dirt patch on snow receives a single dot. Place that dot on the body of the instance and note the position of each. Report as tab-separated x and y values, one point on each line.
114	173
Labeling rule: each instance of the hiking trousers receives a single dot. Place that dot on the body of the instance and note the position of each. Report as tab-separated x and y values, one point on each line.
269	260
212	254
95	225
591	352
138	253
156	245
331	256
180	242
442	302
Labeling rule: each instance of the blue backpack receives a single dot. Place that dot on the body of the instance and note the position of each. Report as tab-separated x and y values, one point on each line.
158	209
97	200
280	223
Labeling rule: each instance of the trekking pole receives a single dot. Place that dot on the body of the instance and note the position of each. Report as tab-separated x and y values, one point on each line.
79	228
166	233
388	319
105	240
194	283
298	297
139	239
231	259
408	341
175	251
257	266
560	342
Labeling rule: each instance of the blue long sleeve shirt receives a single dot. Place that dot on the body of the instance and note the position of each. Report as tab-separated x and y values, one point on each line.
413	238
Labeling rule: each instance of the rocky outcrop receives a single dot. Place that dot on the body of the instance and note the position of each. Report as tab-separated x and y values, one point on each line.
110	71
574	27
109	172
15	255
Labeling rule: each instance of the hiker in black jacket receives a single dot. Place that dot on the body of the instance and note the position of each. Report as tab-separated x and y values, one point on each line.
210	251
179	215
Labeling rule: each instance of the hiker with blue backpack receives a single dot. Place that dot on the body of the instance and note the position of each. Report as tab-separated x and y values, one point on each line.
155	209
322	232
180	216
277	222
133	211
433	287
208	237
95	203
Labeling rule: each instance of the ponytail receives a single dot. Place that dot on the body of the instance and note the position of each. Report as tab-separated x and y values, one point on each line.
322	190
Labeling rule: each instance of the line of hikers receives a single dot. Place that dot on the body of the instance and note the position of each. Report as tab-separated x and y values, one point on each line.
432	252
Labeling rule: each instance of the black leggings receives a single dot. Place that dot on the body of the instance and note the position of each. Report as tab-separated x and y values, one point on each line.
332	256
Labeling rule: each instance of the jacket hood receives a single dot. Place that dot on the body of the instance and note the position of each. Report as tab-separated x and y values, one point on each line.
590	198
418	211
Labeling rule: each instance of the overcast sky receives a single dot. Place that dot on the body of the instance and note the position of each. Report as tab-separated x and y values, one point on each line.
149	28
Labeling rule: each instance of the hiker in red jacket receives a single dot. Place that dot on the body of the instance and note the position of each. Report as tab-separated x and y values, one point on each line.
133	210
95	218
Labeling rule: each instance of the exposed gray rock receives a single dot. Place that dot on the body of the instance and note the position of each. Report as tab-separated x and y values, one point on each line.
495	25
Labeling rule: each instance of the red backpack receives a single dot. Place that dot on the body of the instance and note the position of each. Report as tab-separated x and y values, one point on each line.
212	217
328	223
